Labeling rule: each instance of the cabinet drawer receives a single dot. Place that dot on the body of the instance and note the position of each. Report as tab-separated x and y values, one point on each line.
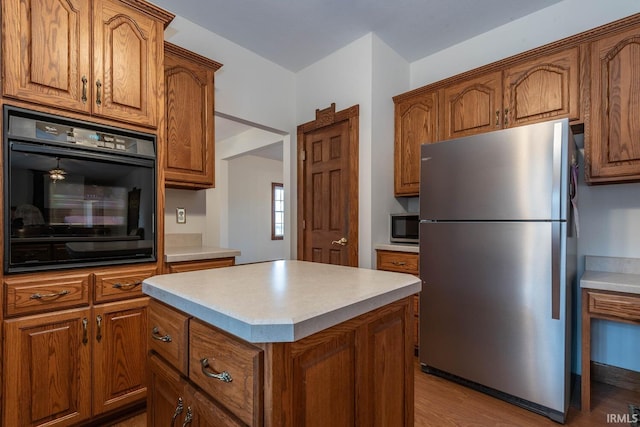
616	305
120	284
212	352
180	267
168	332
27	294
402	262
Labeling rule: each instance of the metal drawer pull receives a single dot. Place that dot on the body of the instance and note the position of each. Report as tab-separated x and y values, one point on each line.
398	263
155	334
85	332
188	418
222	376
84	89
48	296
177	412
98	92
99	322
126	286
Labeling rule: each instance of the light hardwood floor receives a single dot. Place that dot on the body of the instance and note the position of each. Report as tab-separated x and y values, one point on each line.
441	403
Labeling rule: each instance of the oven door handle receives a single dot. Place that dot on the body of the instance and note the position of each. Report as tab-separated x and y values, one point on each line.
80	154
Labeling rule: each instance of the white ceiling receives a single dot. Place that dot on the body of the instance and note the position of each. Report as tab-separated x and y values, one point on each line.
297	33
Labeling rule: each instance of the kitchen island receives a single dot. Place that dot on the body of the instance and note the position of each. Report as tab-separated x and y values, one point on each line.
283	343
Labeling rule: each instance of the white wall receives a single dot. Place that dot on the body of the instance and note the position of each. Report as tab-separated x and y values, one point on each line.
250	179
553	23
248	87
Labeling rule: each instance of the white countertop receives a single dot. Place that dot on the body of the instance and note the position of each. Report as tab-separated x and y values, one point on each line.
398	247
196	253
612	274
279	301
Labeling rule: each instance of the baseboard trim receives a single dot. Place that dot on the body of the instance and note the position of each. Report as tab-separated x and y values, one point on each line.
615	376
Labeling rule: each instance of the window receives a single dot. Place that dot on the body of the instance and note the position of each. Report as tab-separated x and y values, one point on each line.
277	211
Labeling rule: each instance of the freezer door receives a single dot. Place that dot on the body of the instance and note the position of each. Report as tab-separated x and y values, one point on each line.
512	174
487	307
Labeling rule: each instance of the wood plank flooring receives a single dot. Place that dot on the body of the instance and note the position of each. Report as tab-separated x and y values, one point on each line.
441	403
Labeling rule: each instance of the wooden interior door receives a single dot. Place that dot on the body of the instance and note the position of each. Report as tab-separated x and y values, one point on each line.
328	188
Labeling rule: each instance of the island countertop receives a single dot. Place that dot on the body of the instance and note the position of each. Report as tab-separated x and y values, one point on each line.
279	301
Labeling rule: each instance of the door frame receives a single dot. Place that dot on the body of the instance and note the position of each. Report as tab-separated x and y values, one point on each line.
329	117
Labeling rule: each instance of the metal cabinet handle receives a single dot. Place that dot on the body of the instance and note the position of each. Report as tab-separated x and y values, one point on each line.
98	92
399	263
497	117
99	323
48	296
85	331
223	376
126	286
506	117
84	89
188	418
178	411
341	242
155	334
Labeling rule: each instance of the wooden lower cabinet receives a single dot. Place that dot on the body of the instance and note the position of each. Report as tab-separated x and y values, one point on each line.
66	366
359	372
173	401
119	354
47	369
403	262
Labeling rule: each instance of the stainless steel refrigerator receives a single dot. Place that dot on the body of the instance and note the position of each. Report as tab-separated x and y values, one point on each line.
498	261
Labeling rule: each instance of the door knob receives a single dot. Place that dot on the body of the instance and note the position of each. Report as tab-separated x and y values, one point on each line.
341	242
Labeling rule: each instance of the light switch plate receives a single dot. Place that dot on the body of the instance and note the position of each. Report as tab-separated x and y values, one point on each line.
181	215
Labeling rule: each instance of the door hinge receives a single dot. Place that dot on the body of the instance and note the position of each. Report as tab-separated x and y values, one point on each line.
303	155
304	224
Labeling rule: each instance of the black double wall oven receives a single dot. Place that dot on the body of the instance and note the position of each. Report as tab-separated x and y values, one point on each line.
75	194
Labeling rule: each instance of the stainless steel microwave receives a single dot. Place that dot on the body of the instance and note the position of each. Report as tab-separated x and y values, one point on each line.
404	228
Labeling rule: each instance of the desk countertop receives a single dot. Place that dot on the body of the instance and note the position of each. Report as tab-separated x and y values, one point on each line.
612	274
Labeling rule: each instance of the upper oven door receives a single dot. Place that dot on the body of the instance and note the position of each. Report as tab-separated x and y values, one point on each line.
66	206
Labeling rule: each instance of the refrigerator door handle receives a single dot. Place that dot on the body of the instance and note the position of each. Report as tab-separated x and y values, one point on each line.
556	192
555	270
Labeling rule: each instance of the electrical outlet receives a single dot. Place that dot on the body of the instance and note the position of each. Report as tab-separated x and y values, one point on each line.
181	215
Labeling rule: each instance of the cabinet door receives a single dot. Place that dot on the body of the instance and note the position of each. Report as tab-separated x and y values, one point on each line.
613	151
189	86
416	123
45	47
119	354
388	368
541	89
473	106
166	396
47	359
127	57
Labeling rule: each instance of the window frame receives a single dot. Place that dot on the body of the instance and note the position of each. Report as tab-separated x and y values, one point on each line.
274	187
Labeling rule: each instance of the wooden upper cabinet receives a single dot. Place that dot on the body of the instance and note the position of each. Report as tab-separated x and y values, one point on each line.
127	63
45	46
190	135
543	88
416	122
100	57
473	106
613	151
